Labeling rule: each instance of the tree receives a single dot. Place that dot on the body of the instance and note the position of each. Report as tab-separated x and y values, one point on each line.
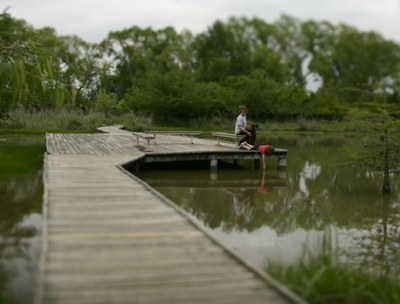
353	63
135	53
19	62
264	65
381	150
222	51
41	70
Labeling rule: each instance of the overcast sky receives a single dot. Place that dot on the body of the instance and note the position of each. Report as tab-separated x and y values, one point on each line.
92	20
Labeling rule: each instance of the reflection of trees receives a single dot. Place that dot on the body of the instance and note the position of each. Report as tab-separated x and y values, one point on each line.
331	197
378	243
19	197
21	160
320	189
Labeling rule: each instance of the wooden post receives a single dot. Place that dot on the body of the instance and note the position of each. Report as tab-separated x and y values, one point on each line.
136	168
281	163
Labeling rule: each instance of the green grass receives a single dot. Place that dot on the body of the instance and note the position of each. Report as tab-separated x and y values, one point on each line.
320	277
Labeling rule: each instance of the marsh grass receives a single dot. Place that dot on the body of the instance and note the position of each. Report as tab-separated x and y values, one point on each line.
71	120
321	277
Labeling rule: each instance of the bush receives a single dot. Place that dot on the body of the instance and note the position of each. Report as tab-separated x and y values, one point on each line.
105	103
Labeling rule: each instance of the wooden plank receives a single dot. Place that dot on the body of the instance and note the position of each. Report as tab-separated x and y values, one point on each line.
127	295
68	142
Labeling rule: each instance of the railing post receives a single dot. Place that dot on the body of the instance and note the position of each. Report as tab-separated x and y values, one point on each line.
214	164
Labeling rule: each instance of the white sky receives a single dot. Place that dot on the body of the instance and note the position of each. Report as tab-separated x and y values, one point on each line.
92	20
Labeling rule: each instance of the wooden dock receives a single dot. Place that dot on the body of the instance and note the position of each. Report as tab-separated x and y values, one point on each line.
108	237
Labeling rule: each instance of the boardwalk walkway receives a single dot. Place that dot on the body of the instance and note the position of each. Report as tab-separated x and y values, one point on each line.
110	238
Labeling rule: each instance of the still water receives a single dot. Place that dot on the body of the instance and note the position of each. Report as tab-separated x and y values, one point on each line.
270	216
21	188
264	216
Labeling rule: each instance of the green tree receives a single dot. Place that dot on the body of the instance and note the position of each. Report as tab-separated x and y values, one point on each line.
380	153
136	53
288	39
19	62
222	51
176	96
41	70
264	65
353	63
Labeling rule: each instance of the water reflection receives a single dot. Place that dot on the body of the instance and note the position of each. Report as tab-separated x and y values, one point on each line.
310	172
21	161
266	216
378	243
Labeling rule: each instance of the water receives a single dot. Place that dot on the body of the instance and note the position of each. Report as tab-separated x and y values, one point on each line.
269	216
21	188
263	217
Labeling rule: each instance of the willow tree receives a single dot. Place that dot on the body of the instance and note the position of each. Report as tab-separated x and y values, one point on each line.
26	67
16	46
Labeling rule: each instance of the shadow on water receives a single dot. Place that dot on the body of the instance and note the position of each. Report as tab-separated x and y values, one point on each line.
268	216
21	188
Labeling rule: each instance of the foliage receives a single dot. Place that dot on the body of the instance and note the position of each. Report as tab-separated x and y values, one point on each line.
380	152
179	77
105	103
40	70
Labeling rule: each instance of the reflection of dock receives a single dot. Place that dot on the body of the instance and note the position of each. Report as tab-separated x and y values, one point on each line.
203	183
228	152
110	238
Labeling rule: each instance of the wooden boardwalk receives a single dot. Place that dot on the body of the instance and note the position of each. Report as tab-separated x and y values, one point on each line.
110	238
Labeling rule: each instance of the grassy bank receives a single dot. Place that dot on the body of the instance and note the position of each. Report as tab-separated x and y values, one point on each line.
320	277
22	120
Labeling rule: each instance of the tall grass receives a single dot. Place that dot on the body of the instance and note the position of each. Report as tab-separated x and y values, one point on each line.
321	277
77	120
72	120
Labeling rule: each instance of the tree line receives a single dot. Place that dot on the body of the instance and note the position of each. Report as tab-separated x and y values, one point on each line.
270	67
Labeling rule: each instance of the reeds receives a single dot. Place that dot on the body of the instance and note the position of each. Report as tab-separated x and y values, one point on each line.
321	277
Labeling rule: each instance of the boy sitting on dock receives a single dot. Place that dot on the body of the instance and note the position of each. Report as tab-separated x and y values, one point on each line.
241	127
